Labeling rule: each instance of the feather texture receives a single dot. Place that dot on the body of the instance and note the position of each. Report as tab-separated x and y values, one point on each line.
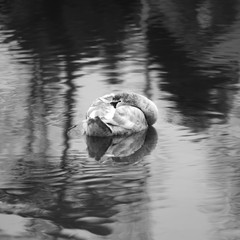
119	114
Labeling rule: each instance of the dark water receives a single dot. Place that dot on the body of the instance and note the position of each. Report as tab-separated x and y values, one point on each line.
180	180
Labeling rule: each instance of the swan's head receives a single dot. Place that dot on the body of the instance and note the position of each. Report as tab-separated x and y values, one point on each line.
147	106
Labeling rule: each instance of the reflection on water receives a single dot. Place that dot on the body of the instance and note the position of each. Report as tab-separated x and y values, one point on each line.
179	179
122	149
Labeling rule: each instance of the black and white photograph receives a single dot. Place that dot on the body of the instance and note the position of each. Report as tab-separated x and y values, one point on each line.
119	120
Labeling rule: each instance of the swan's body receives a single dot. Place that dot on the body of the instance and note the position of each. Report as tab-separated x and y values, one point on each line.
119	114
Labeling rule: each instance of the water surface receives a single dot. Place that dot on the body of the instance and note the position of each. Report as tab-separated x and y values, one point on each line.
178	180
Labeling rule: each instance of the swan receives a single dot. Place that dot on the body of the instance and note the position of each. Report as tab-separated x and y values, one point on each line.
119	114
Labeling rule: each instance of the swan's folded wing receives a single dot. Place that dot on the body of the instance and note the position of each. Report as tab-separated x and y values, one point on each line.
101	109
127	118
96	127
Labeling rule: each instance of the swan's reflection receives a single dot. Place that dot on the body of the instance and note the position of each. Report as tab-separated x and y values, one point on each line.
122	149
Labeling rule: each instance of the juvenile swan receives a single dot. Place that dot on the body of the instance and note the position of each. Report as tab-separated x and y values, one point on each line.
119	114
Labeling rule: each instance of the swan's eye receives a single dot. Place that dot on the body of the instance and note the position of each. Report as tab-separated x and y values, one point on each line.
114	104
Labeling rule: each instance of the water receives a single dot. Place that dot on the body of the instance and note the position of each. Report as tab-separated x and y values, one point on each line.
180	180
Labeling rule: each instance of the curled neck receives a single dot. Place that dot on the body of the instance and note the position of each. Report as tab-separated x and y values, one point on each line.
147	106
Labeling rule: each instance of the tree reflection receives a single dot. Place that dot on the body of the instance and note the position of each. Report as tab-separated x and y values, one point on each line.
180	43
178	37
55	41
55	186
